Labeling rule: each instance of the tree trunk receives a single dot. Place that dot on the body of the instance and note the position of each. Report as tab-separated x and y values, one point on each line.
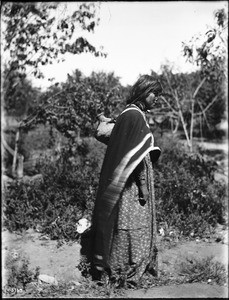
174	130
15	153
183	122
20	166
191	125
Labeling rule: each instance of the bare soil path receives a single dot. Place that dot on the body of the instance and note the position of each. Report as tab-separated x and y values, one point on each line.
60	261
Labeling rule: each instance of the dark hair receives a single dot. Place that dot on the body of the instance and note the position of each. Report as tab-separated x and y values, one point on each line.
145	85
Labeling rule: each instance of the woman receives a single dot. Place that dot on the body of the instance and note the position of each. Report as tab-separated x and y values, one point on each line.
124	217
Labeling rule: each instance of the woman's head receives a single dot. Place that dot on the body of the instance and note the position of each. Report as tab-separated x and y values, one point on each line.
143	87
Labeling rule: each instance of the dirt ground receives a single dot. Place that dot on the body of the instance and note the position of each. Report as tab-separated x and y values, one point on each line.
60	261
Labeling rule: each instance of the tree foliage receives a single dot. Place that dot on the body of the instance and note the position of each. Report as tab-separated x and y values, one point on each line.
38	33
20	97
209	50
74	105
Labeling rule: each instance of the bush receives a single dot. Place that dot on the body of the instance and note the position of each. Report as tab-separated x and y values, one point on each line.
66	194
19	273
187	196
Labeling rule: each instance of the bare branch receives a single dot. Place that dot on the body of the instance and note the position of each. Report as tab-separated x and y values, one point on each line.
172	91
198	88
207	107
4	143
175	112
56	95
203	113
27	122
192	121
182	120
59	107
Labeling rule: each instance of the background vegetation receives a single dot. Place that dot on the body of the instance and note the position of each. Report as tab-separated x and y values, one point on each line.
52	131
52	161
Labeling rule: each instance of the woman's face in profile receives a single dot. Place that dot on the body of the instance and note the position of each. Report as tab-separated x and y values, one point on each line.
151	100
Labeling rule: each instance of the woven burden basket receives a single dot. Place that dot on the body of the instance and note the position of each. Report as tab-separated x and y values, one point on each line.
104	129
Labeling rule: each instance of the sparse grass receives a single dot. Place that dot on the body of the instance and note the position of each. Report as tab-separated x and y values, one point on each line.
87	289
192	270
204	270
24	282
18	273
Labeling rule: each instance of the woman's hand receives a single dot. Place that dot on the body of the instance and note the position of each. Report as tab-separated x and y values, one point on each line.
143	194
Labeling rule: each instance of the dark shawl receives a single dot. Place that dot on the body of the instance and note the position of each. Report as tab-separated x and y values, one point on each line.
130	141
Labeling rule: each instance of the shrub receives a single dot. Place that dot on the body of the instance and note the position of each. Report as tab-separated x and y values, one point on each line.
187	196
19	273
66	194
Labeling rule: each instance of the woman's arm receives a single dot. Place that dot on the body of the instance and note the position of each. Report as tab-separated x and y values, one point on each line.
140	178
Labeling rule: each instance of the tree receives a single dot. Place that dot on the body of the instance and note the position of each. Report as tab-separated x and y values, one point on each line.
73	106
209	52
182	92
38	33
19	95
197	100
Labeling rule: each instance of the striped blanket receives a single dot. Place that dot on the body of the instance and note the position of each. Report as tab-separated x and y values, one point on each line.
130	141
